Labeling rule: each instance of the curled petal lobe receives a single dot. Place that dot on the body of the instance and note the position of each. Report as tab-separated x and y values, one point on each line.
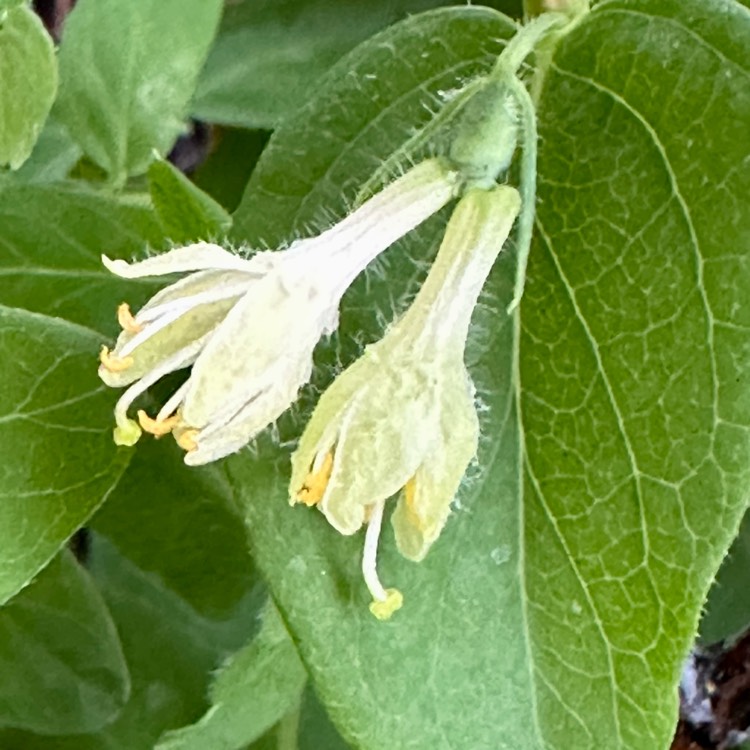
201	256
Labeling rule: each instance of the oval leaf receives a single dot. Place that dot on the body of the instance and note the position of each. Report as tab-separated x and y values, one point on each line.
55	434
52	238
28	71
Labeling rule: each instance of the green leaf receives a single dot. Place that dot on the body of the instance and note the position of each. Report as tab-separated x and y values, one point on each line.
633	360
127	72
269	55
186	213
54	156
558	604
55	435
224	174
169	649
61	666
28	71
315	728
51	241
173	521
251	692
171	562
437	673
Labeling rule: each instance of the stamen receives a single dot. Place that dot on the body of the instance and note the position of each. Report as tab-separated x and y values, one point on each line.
157	427
126	319
127	431
172	402
113	363
186	440
386	601
314	486
410	491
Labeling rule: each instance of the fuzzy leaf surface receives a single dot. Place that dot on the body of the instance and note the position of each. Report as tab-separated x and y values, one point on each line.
557	606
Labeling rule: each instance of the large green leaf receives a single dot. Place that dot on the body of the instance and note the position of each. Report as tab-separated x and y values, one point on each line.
61	666
55	435
268	55
634	354
127	72
557	606
436	673
28	71
51	241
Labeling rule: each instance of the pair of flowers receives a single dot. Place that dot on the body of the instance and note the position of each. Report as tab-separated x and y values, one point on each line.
399	419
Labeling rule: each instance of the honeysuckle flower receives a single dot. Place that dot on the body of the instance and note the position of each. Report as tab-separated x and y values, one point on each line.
249	326
402	417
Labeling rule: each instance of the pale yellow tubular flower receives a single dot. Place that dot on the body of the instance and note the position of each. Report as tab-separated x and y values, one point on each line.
249	326
402	417
252	369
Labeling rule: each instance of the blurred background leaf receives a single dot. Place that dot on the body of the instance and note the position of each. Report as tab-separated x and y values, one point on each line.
168	556
28	71
186	213
254	690
61	665
127	72
53	237
268	54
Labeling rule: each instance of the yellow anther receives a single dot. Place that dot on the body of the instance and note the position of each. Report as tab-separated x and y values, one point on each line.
157	427
314	486
113	363
186	439
385	608
410	491
126	319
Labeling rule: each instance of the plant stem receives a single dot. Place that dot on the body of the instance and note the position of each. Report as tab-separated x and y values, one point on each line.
287	732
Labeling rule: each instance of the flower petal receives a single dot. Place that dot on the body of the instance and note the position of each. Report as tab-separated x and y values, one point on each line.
265	342
424	506
198	257
187	332
382	441
221	439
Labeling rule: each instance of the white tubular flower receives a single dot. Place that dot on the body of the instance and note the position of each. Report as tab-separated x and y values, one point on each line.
402	417
249	326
